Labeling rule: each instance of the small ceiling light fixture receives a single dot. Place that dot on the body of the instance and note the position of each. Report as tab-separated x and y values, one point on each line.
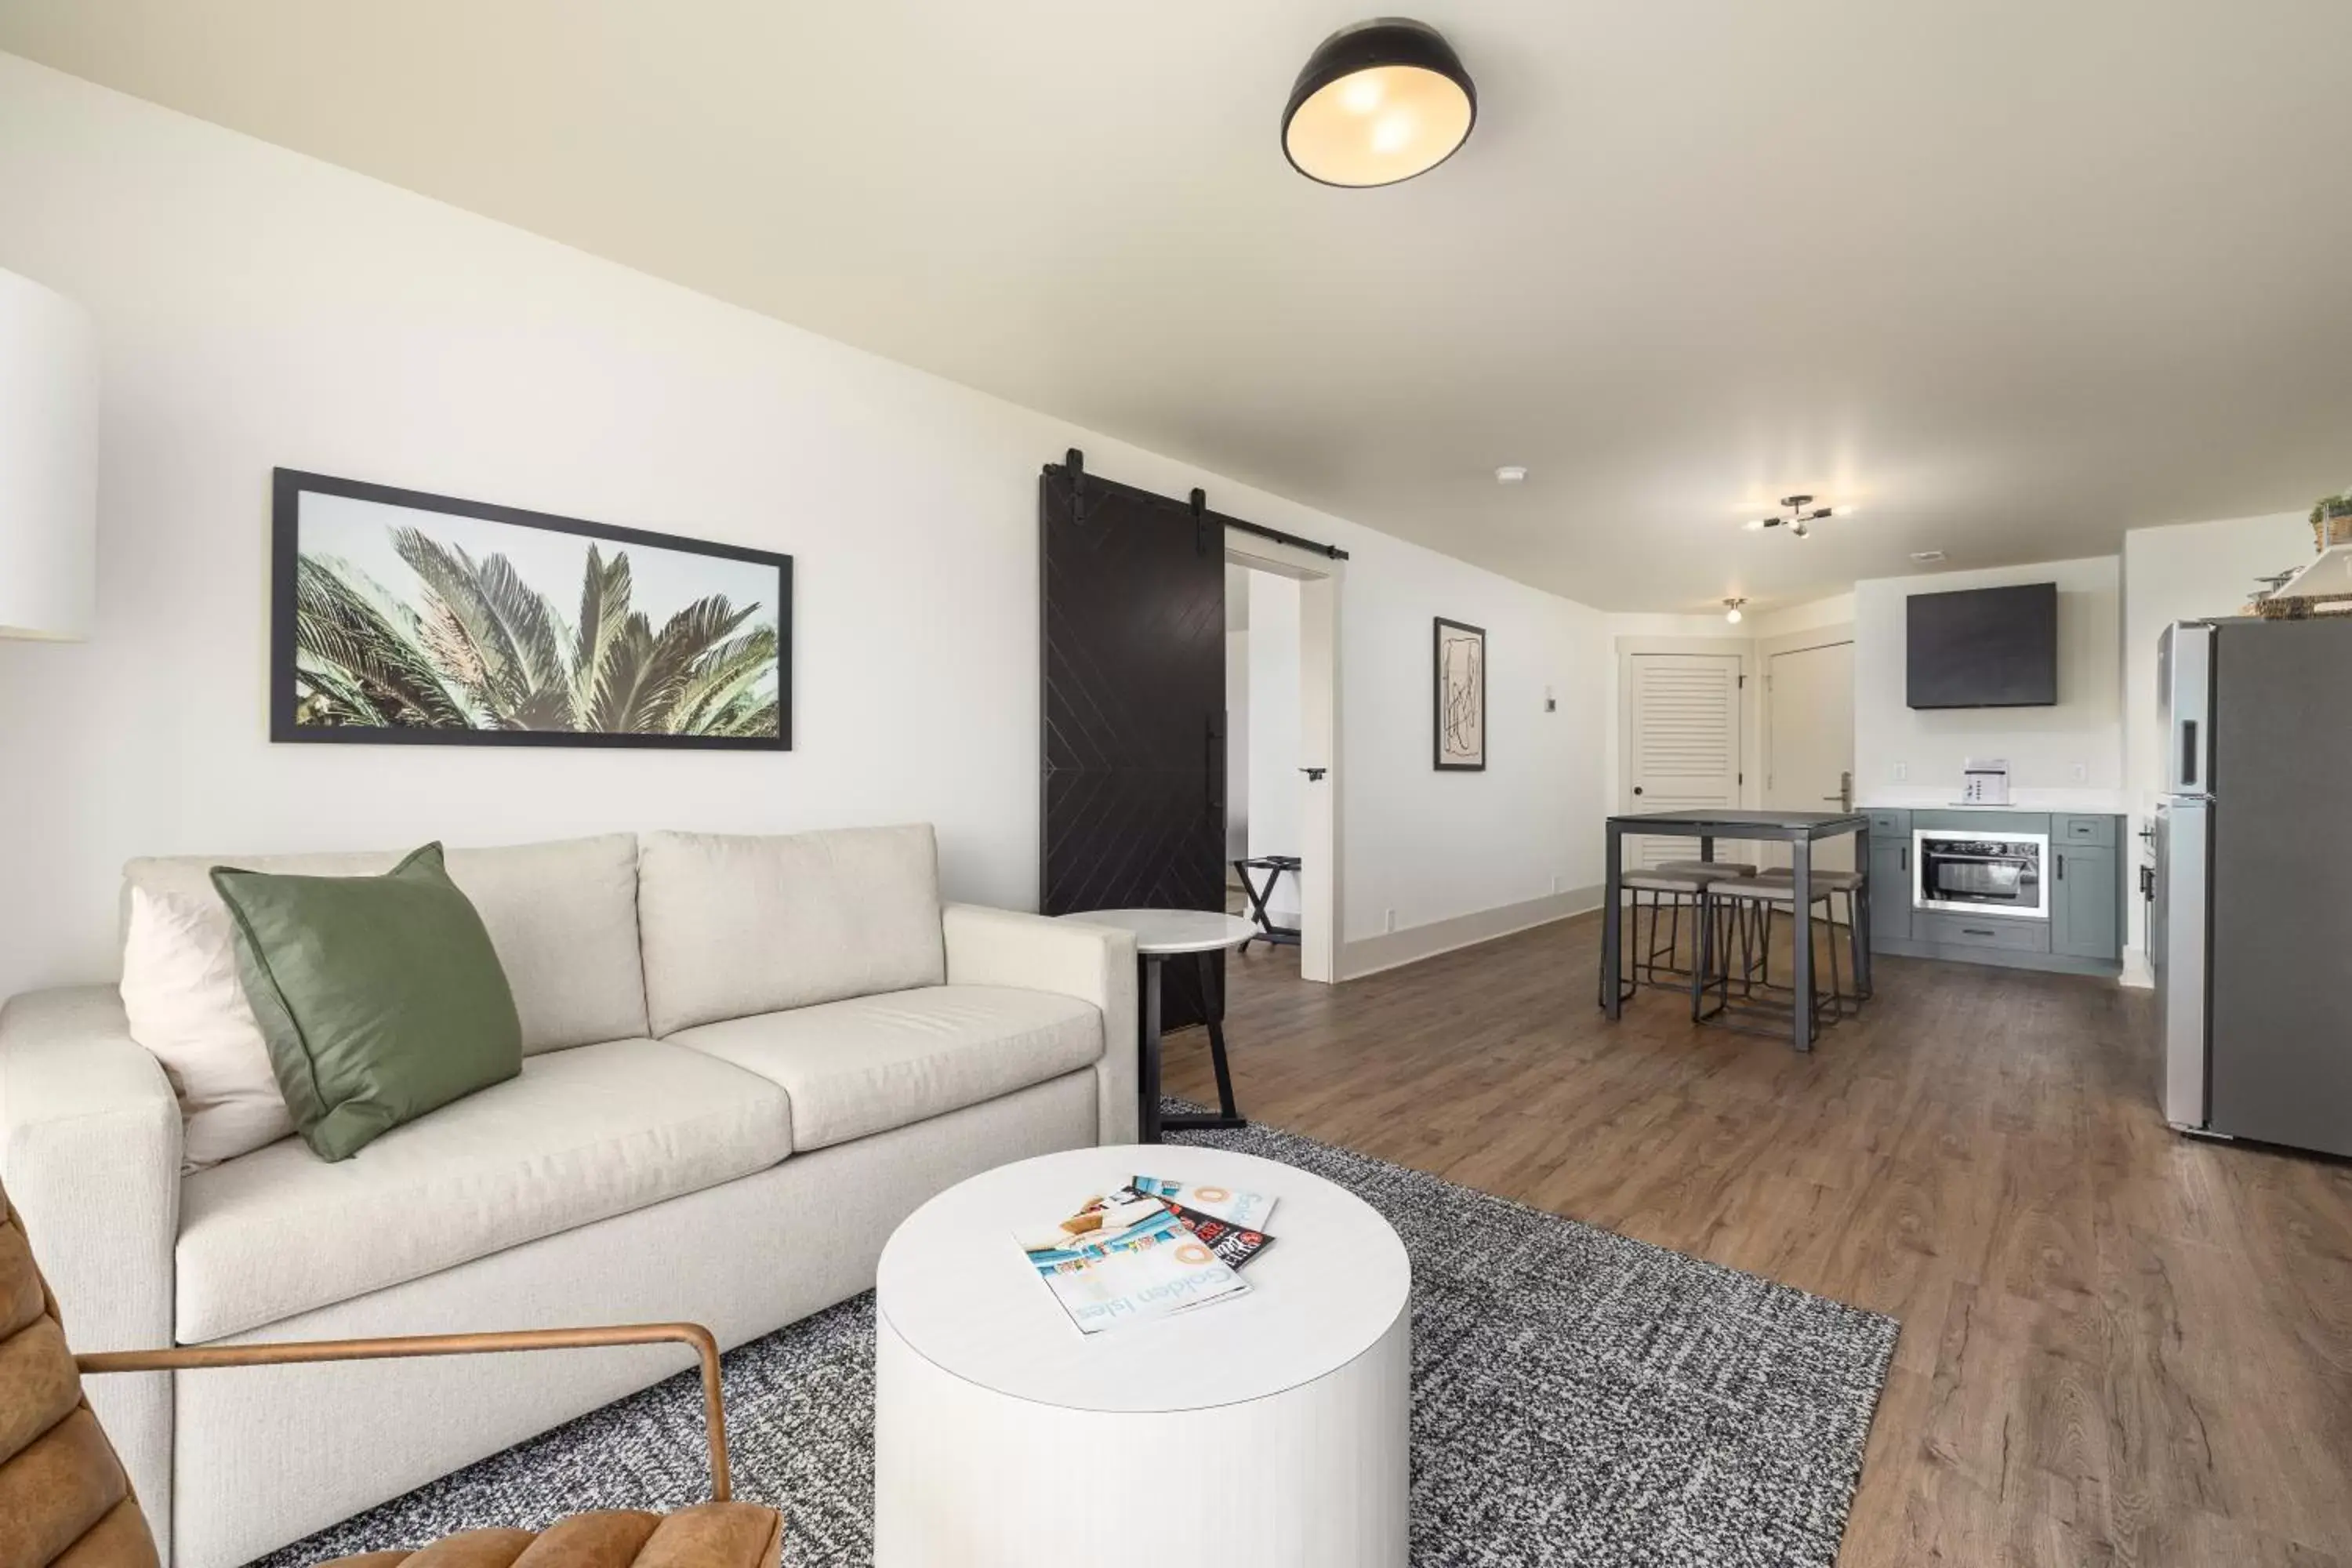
1927	557
1802	515
1378	102
1731	610
1511	474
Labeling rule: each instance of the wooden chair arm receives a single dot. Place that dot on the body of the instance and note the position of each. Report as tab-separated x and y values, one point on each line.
191	1358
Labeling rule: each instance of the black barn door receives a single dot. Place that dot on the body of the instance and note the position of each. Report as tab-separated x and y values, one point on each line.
1134	611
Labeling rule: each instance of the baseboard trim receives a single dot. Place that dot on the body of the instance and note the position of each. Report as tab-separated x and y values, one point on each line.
1393	950
1998	958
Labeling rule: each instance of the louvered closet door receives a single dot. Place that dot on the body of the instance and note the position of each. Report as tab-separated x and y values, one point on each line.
1684	746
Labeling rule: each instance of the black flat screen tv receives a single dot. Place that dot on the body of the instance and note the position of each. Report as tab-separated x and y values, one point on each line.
1984	648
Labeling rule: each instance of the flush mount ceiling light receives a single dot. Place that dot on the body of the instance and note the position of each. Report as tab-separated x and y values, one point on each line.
1378	102
1927	557
1510	474
1731	610
1802	515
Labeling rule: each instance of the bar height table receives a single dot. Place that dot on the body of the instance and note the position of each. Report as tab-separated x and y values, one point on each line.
1797	829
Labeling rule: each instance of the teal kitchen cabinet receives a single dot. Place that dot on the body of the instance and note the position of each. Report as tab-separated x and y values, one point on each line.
1890	878
2086	902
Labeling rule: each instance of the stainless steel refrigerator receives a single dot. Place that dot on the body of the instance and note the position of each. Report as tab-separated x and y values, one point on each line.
2251	932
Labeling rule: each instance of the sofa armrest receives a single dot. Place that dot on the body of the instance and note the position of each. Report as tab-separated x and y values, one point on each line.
89	1151
1095	964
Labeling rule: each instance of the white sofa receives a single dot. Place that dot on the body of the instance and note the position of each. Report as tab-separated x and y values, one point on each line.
745	1061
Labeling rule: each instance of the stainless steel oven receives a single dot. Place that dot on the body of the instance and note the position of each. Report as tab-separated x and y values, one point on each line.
1970	872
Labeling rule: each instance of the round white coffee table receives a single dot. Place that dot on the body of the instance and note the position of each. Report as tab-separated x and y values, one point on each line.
1159	935
1266	1431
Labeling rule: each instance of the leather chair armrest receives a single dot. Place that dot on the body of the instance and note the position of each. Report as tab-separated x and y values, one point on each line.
189	1358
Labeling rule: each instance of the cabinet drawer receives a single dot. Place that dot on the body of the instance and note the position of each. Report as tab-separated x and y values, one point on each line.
2097	830
1884	821
2006	933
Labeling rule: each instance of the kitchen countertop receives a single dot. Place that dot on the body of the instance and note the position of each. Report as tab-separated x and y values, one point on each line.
1915	797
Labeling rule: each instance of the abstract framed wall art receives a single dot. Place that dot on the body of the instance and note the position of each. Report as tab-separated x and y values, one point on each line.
1460	681
405	618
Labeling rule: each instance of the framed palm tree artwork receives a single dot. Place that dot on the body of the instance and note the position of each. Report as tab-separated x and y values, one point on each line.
403	617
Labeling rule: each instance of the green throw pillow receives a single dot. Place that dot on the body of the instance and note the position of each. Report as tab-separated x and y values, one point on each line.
380	996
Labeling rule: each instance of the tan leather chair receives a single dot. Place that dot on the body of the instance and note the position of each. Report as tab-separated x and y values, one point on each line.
65	1501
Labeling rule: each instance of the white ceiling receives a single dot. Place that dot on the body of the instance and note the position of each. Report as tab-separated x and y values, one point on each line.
2012	275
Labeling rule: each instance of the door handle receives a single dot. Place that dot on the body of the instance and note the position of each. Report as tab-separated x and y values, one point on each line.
1314	775
1213	763
2062	868
1637	789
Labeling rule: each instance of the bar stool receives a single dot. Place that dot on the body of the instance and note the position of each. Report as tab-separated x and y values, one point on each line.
1650	962
1855	886
1739	913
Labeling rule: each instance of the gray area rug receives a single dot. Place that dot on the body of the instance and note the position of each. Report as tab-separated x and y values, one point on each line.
1577	1398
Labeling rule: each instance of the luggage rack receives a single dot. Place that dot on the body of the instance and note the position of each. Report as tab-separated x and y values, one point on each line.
1274	866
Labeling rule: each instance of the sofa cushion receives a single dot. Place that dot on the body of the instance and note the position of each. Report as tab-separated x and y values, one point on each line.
873	1063
381	997
580	1136
183	1001
738	926
563	916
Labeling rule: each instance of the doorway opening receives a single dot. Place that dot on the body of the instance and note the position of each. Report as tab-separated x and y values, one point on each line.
1282	615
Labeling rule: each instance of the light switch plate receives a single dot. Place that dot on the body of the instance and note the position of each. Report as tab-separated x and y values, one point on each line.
1902	771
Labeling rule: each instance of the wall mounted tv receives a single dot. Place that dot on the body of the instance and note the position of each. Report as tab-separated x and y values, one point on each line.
1986	648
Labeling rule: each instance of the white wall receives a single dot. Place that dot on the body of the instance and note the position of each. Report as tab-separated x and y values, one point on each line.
1434	846
2044	746
1837	610
2189	572
256	308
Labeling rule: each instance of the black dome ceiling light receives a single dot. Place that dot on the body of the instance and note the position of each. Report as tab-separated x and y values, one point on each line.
1378	102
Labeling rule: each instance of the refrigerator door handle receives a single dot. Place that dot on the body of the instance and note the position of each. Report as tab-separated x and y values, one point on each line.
2189	753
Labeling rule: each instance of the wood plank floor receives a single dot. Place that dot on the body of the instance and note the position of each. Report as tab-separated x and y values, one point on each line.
2119	1345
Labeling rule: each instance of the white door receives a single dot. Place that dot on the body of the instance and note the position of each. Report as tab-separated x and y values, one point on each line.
1682	743
1809	740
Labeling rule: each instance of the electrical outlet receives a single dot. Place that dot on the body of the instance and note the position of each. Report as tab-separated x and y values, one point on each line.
1388	920
1902	771
2082	773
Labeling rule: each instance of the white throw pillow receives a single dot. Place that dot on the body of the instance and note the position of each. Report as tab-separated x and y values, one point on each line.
181	991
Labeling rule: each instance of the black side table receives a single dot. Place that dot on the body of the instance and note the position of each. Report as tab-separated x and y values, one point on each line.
1161	935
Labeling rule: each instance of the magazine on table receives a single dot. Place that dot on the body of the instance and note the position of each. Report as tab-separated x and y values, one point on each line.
1152	1250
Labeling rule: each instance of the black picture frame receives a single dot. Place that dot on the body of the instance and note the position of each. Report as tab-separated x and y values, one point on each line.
287	488
1438	718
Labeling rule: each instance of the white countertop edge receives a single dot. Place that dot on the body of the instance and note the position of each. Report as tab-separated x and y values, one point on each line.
2100	802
